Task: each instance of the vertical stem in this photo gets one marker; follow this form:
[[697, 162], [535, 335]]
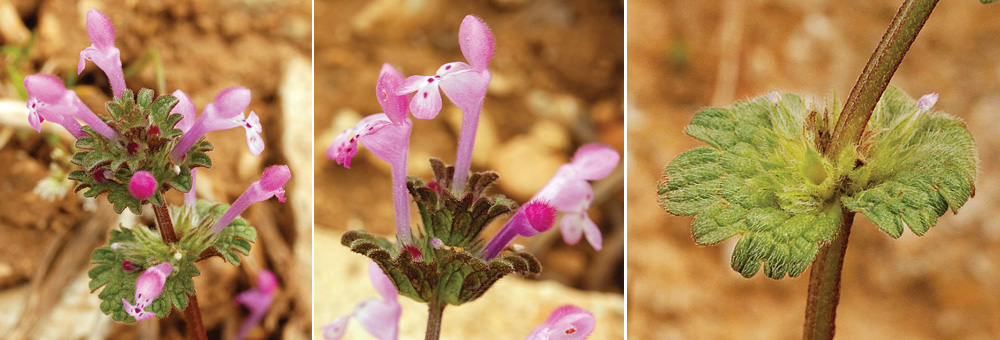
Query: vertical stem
[[824, 277], [873, 80], [192, 314], [434, 313], [824, 284], [164, 224]]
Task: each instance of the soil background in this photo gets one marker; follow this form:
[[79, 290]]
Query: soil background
[[557, 84], [687, 55], [204, 46]]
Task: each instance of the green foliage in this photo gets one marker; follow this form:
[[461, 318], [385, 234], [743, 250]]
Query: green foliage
[[454, 271], [987, 1], [446, 275], [143, 249], [916, 167], [456, 222], [764, 177], [146, 137]]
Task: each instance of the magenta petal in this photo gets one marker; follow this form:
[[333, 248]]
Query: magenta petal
[[476, 41], [393, 104], [185, 107], [148, 287], [566, 192], [34, 119], [336, 329], [530, 219], [100, 30], [566, 322], [266, 281], [466, 88], [594, 161]]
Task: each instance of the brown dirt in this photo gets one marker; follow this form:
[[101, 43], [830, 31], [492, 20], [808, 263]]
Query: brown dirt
[[683, 57], [205, 46]]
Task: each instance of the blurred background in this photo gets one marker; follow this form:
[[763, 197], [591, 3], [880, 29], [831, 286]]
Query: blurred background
[[200, 47], [557, 84], [687, 55]]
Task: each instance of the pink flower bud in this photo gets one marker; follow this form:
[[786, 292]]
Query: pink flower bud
[[142, 185]]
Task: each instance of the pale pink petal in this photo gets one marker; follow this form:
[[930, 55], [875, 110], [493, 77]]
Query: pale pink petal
[[229, 103], [336, 329], [345, 146], [592, 233], [566, 192], [381, 282], [185, 107], [380, 318], [466, 88], [594, 161], [926, 102], [139, 313], [388, 142], [271, 184], [567, 322], [426, 103], [571, 227], [476, 41], [100, 30], [393, 104], [257, 300], [253, 130]]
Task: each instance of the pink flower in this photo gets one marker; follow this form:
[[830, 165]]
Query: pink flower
[[190, 199], [185, 107], [530, 219], [271, 184], [226, 112], [571, 194], [379, 317], [103, 51], [142, 185], [464, 84], [387, 135], [566, 322], [257, 300], [48, 99], [147, 288]]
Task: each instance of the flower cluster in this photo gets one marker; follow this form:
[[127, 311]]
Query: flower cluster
[[453, 208], [144, 148]]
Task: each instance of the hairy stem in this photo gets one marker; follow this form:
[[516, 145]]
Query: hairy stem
[[875, 78], [192, 316], [164, 224], [824, 277], [434, 312], [824, 284]]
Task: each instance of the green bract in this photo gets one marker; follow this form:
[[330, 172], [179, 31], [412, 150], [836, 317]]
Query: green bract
[[766, 177], [146, 137], [143, 248], [454, 271]]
